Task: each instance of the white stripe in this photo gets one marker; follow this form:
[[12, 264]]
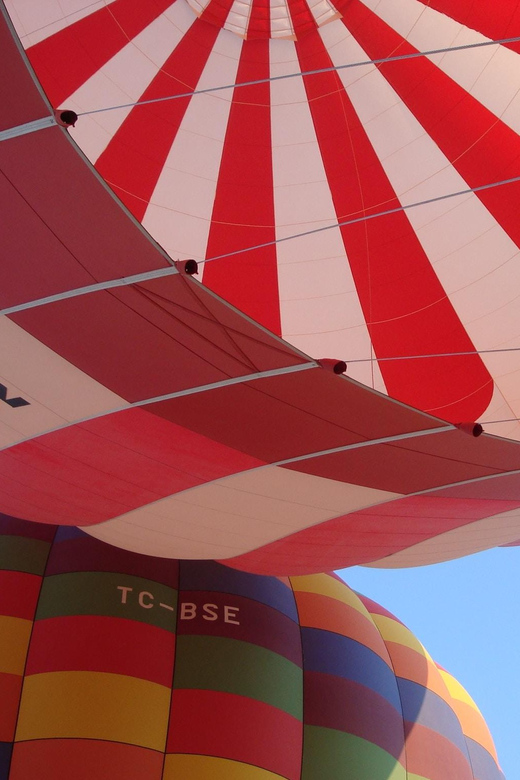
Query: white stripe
[[323, 11], [244, 511], [179, 213], [124, 78], [471, 538], [475, 260], [499, 409], [36, 20], [14, 391], [281, 22], [320, 309], [235, 515], [237, 20], [58, 393], [490, 74]]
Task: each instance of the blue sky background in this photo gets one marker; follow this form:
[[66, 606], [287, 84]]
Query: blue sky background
[[467, 614]]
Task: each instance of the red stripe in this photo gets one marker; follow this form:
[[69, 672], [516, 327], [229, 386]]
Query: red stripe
[[368, 535], [264, 627], [19, 594], [83, 759], [494, 20], [66, 60], [97, 470], [10, 690], [243, 213], [21, 102], [102, 644], [301, 17], [259, 25], [47, 175], [332, 702], [406, 309], [479, 146], [154, 339], [212, 723], [217, 11], [147, 134], [376, 609], [431, 755], [91, 472]]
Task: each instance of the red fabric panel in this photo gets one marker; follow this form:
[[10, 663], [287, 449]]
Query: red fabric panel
[[149, 131], [335, 703], [392, 468], [43, 486], [494, 20], [19, 594], [10, 691], [102, 644], [140, 350], [82, 759], [501, 494], [431, 755], [376, 609], [367, 535], [243, 212], [405, 307], [259, 22], [216, 12], [286, 416], [301, 17], [264, 627], [89, 473], [46, 252], [479, 146], [110, 465], [212, 723], [19, 98], [94, 40]]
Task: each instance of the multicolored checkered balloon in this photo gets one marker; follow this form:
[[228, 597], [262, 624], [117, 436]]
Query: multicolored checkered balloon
[[119, 666]]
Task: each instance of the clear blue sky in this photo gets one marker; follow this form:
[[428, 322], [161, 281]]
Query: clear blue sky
[[467, 614]]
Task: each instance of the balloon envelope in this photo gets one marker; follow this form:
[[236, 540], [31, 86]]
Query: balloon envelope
[[116, 665], [282, 120], [136, 403]]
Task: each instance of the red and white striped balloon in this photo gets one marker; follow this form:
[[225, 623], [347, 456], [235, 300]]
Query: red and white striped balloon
[[347, 177], [240, 173]]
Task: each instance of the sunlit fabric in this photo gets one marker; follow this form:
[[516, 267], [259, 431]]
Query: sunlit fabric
[[223, 172], [137, 404], [117, 666]]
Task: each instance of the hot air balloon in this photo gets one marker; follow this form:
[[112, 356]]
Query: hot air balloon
[[186, 419], [117, 665]]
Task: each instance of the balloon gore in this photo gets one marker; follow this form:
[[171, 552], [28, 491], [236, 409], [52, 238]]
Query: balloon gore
[[119, 666]]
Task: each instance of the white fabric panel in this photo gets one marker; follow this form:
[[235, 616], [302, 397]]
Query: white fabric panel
[[499, 409], [124, 78], [238, 18], [235, 515], [57, 392], [181, 205], [35, 20], [281, 22], [323, 11], [475, 260], [319, 305], [475, 537], [491, 73]]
